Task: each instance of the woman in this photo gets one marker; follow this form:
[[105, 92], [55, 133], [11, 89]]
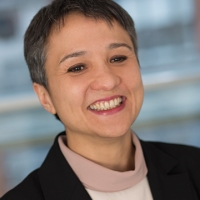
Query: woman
[[82, 57]]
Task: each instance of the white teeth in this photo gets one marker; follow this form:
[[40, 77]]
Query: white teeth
[[101, 106], [106, 105], [116, 102], [95, 107], [112, 104], [98, 106], [92, 107]]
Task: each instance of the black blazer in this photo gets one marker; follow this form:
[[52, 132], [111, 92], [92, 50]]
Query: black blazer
[[173, 174]]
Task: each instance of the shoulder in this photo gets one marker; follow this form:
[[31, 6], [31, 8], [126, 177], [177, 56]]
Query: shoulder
[[29, 188], [189, 156], [182, 151]]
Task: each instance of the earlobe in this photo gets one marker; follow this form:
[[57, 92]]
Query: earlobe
[[44, 98]]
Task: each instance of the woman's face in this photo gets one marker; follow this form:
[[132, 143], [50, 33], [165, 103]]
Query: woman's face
[[94, 79]]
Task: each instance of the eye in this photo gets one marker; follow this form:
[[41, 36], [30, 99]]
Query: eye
[[76, 68], [118, 59]]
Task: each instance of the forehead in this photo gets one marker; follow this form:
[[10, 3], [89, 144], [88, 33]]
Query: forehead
[[78, 16], [76, 27]]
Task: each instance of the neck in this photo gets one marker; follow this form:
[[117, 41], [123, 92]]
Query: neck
[[113, 153]]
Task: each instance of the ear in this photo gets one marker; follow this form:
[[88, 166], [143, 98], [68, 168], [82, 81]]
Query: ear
[[44, 98]]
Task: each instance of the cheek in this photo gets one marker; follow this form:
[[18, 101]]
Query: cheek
[[132, 78], [135, 87], [70, 95], [139, 95]]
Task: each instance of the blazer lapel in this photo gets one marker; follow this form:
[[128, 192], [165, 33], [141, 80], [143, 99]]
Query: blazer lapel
[[57, 179], [167, 177]]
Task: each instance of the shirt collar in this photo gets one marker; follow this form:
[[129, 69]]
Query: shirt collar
[[99, 178]]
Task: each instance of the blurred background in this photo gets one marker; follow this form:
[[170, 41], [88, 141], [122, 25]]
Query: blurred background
[[169, 52]]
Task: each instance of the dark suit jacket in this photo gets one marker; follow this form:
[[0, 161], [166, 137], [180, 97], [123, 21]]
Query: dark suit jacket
[[173, 174]]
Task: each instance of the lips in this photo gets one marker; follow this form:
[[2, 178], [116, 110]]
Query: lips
[[107, 105]]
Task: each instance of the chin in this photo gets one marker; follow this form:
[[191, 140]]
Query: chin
[[114, 133]]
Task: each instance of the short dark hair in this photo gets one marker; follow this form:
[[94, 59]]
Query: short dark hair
[[35, 40]]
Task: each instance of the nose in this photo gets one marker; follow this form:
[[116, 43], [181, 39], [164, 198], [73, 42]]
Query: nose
[[105, 79]]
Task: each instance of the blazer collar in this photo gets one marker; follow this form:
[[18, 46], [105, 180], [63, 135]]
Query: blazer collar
[[57, 179], [168, 178]]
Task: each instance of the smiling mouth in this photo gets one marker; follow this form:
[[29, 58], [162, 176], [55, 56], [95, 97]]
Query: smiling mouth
[[106, 105]]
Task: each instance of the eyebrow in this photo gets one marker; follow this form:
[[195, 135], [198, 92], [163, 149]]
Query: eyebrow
[[80, 53], [73, 55], [117, 45]]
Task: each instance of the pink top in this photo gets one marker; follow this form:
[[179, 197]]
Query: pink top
[[99, 178]]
